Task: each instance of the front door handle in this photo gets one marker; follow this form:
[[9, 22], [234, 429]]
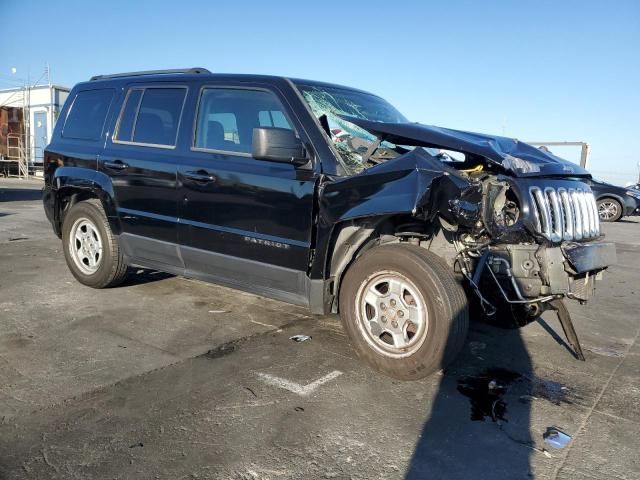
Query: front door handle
[[200, 176], [117, 165]]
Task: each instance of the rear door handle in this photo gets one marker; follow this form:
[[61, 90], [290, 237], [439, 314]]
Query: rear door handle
[[117, 165], [200, 176]]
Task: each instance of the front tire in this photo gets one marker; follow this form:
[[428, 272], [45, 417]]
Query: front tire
[[609, 210], [90, 249], [404, 311]]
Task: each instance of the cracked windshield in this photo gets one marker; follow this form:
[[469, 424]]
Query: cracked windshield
[[351, 141]]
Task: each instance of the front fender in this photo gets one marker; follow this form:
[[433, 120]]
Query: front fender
[[406, 185]]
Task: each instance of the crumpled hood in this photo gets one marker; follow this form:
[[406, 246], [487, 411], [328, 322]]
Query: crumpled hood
[[506, 152]]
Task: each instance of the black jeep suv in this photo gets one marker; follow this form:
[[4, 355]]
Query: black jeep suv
[[323, 196]]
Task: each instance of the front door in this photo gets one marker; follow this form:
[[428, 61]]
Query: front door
[[244, 222]]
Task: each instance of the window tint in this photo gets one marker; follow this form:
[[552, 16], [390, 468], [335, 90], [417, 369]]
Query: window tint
[[273, 118], [87, 115], [159, 115], [128, 116], [229, 125], [227, 117], [151, 115]]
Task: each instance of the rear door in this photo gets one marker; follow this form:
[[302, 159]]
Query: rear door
[[141, 160], [244, 222]]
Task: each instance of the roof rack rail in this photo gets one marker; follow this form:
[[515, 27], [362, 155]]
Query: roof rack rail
[[151, 72]]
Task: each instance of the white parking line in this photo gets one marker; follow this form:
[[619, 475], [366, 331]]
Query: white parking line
[[302, 390]]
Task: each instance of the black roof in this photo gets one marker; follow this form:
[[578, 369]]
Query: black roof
[[175, 74]]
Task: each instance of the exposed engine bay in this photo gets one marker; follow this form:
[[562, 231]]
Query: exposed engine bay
[[533, 247], [517, 223], [521, 243]]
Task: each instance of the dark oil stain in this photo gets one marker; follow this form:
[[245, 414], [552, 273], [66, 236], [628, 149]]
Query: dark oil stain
[[222, 350], [554, 392], [18, 340], [485, 391], [226, 348]]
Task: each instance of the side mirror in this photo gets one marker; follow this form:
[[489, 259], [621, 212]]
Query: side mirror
[[278, 145]]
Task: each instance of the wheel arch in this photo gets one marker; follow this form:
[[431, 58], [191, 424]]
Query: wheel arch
[[78, 184], [611, 196], [351, 238]]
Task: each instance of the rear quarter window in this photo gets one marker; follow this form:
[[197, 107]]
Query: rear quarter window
[[87, 114]]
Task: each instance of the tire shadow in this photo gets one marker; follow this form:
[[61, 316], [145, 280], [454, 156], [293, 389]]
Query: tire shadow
[[141, 276]]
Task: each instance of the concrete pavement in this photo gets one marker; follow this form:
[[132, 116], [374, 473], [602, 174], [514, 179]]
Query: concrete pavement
[[171, 378]]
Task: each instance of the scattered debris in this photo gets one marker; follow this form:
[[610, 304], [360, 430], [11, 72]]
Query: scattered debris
[[15, 239], [251, 391], [300, 338], [556, 438], [139, 444], [299, 409], [218, 311]]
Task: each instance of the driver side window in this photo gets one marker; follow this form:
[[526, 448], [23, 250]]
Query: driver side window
[[226, 118]]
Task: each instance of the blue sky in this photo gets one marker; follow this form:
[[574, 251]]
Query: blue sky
[[534, 70]]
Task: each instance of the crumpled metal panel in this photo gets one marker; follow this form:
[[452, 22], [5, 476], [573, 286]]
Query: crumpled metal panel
[[513, 155], [400, 185]]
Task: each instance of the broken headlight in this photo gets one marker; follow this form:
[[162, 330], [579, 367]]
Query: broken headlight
[[518, 165]]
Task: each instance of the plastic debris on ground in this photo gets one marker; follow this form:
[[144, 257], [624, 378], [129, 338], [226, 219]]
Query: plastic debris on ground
[[300, 338], [556, 438]]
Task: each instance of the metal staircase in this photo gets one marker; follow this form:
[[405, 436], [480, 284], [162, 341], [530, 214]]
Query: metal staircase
[[17, 153]]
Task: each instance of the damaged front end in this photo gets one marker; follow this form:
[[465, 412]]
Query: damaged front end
[[522, 234], [534, 243]]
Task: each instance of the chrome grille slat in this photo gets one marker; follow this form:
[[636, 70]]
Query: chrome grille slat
[[567, 208], [557, 215], [594, 207], [561, 214], [578, 213]]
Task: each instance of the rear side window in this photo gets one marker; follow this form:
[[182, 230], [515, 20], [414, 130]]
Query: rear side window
[[227, 117], [151, 116], [88, 112], [128, 117]]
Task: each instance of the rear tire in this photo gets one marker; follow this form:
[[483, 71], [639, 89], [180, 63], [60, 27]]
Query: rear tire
[[90, 248], [404, 311], [609, 210]]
